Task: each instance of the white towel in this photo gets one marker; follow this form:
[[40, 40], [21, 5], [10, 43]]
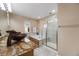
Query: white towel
[[26, 40]]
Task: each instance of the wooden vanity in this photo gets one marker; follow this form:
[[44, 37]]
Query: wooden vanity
[[17, 48], [37, 40], [20, 49], [34, 40]]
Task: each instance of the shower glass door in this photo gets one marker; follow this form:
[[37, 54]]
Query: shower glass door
[[52, 33]]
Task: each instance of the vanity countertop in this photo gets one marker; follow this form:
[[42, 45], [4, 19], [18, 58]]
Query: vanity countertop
[[38, 37], [17, 49]]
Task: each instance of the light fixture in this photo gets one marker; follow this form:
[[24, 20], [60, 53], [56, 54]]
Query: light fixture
[[9, 7], [2, 6], [52, 12], [45, 25], [38, 17]]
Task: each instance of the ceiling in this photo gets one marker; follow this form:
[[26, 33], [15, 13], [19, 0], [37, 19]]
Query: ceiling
[[33, 10]]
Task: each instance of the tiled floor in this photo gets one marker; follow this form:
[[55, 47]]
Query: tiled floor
[[44, 51], [51, 44]]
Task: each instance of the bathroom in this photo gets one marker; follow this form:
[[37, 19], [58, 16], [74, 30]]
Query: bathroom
[[41, 30]]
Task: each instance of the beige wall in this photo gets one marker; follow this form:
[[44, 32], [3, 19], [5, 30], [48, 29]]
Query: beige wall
[[68, 33], [17, 22]]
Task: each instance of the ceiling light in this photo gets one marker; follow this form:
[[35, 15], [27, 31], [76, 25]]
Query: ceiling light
[[9, 7], [38, 17], [45, 25], [2, 6], [53, 11]]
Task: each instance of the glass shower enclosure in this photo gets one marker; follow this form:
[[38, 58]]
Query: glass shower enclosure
[[50, 32]]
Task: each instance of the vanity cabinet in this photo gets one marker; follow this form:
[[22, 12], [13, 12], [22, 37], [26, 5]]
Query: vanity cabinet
[[35, 41], [29, 53]]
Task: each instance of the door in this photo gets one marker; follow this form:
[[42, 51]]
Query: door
[[52, 33]]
